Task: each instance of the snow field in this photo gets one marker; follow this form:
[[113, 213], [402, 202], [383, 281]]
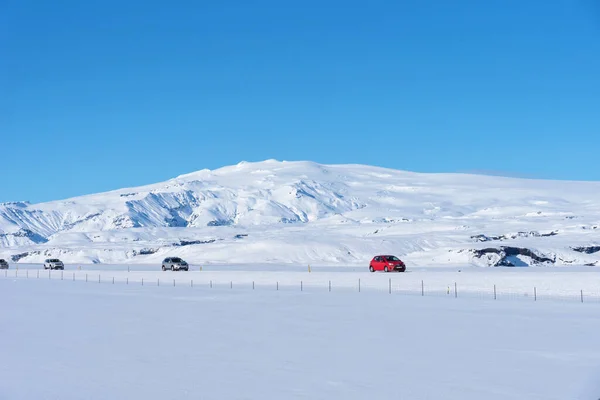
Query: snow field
[[580, 284], [76, 341]]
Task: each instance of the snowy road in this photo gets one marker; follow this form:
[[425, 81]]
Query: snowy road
[[65, 340], [565, 283]]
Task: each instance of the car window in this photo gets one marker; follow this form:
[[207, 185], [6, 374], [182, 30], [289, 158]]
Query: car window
[[393, 258], [176, 259]]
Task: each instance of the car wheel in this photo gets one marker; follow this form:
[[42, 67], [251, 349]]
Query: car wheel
[[386, 269], [371, 268], [172, 268], [164, 268]]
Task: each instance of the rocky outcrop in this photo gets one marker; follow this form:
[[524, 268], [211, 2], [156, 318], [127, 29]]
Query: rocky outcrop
[[17, 257], [144, 252], [485, 238], [505, 256], [587, 249], [190, 242]]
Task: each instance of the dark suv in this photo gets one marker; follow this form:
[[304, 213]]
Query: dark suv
[[3, 264]]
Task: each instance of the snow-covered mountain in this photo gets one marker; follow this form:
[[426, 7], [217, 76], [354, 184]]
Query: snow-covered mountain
[[303, 212]]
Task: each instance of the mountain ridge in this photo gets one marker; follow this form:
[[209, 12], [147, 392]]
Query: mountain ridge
[[418, 215]]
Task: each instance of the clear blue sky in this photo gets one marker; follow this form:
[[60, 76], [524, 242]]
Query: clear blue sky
[[101, 95]]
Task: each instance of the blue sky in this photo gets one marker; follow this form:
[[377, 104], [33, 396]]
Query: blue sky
[[97, 96]]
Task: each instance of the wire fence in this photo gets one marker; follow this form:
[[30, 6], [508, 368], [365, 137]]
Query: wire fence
[[390, 286]]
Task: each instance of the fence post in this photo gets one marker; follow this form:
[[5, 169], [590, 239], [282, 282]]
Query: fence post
[[128, 268], [127, 281], [582, 295], [98, 278], [73, 276], [455, 290], [27, 273], [422, 288], [158, 282], [358, 285], [211, 284], [86, 279], [534, 293], [142, 281], [61, 275], [230, 284], [330, 286], [277, 285], [113, 280], [38, 273], [390, 286], [252, 285], [191, 283], [494, 292], [173, 282], [301, 289]]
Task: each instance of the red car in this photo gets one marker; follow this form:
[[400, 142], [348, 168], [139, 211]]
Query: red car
[[386, 263]]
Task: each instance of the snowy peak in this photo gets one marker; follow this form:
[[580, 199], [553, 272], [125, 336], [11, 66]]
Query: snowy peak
[[247, 193]]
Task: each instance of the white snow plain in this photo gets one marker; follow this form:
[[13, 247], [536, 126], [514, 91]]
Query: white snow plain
[[562, 283], [274, 212], [76, 340]]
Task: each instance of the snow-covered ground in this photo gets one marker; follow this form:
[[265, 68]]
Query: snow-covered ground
[[75, 340], [527, 284], [278, 213]]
